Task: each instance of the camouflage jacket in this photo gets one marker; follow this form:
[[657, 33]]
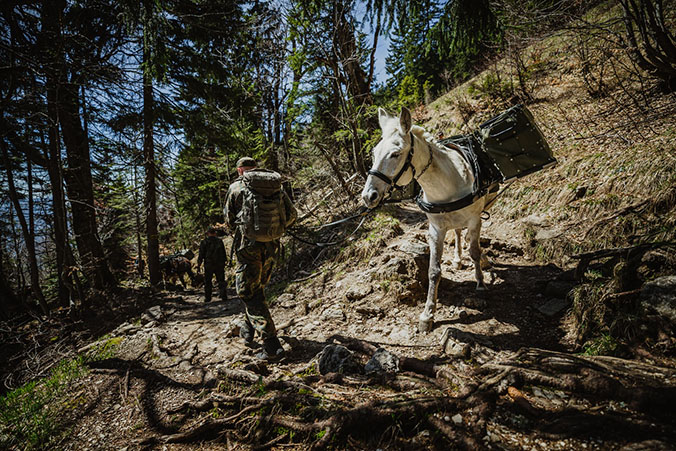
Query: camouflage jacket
[[233, 205]]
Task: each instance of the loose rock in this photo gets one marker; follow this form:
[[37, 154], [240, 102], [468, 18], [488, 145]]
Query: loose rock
[[336, 359], [457, 349], [358, 291], [558, 288], [286, 300], [553, 307], [382, 361], [333, 313]]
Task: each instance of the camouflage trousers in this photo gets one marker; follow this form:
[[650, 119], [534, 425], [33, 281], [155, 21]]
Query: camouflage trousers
[[255, 261]]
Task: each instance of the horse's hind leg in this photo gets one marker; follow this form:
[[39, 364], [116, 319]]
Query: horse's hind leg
[[436, 243], [473, 232], [457, 252]]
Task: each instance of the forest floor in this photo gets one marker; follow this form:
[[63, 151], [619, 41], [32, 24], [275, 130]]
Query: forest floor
[[496, 372]]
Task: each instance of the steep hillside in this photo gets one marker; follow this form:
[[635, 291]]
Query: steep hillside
[[610, 127]]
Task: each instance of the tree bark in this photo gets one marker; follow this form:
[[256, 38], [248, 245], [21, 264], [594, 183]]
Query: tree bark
[[10, 300], [53, 155], [80, 189], [28, 237], [137, 215], [78, 175], [153, 251], [346, 47], [20, 277]]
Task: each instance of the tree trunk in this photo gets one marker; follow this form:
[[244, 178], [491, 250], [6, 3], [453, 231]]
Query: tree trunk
[[53, 155], [31, 202], [277, 115], [28, 238], [20, 277], [372, 57], [137, 214], [80, 189], [153, 251], [78, 175], [345, 44], [10, 301]]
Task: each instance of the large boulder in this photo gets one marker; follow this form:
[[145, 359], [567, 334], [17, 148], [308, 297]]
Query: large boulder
[[337, 359], [420, 253]]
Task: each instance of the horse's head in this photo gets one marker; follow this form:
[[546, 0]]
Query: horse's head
[[391, 157]]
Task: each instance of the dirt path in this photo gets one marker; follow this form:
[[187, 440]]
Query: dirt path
[[495, 372]]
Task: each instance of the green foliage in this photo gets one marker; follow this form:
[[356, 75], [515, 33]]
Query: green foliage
[[438, 43], [31, 415], [311, 370], [409, 92], [602, 345], [492, 87]]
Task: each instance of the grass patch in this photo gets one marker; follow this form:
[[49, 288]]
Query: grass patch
[[31, 415], [602, 345]]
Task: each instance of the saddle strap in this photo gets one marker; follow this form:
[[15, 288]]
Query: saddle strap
[[446, 207]]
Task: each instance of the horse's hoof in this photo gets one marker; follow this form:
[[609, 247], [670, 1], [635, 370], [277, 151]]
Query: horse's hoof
[[425, 326], [481, 287]]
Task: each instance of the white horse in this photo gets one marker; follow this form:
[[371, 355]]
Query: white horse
[[445, 176]]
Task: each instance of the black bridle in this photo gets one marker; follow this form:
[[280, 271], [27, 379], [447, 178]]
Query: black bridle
[[392, 182]]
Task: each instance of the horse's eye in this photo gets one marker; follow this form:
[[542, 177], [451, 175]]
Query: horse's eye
[[394, 155]]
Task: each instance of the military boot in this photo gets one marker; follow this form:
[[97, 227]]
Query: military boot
[[272, 349], [246, 331], [223, 294]]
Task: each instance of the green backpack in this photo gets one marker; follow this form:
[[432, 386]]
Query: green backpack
[[263, 213]]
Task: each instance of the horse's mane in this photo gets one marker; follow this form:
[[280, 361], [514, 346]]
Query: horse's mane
[[426, 136]]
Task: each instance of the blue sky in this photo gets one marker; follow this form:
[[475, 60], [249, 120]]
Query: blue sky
[[381, 53]]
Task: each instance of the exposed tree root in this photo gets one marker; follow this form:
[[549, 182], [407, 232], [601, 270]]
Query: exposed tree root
[[212, 401], [454, 435], [272, 442], [333, 418], [643, 387], [321, 410]]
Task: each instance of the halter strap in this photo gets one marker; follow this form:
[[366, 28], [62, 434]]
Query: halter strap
[[404, 168], [393, 182]]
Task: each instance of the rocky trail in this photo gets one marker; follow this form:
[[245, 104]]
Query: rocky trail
[[496, 372]]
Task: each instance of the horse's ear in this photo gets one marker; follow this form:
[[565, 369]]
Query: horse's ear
[[382, 118], [405, 120]]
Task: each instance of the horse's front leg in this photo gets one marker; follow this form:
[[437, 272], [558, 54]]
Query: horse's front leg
[[435, 239], [457, 252], [473, 233]]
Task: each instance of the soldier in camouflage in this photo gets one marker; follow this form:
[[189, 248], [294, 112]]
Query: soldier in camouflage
[[255, 261], [212, 253]]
